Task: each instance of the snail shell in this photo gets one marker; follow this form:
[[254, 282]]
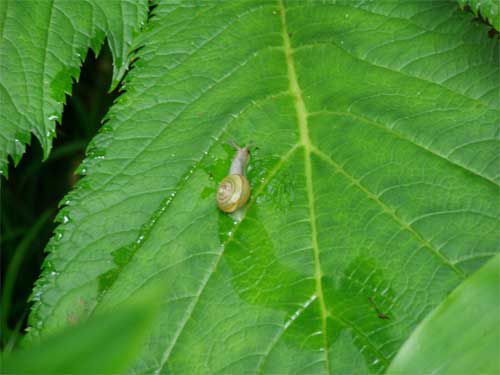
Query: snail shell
[[233, 193], [234, 190]]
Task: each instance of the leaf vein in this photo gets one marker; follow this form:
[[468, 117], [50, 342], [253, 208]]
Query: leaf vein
[[331, 42], [389, 211], [403, 137]]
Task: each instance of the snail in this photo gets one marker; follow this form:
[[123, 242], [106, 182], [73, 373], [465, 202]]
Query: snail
[[234, 189]]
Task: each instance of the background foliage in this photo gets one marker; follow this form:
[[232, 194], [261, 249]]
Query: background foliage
[[43, 44], [31, 194], [487, 9]]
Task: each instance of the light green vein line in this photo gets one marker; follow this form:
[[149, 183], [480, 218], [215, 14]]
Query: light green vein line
[[389, 211], [301, 111], [403, 137]]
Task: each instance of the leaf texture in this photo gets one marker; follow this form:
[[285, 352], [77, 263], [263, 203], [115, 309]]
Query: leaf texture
[[42, 46], [374, 184]]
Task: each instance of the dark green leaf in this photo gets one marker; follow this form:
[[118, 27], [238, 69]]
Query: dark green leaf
[[42, 46]]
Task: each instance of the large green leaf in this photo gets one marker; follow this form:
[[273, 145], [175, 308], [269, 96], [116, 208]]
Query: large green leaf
[[375, 184], [41, 48], [462, 335]]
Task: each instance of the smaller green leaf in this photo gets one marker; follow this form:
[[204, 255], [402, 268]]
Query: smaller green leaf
[[489, 9], [461, 336], [105, 344]]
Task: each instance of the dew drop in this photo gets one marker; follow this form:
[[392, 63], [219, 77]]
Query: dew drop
[[36, 297], [237, 216], [65, 219], [52, 117]]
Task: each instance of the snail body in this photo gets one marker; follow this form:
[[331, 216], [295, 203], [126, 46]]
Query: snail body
[[234, 189]]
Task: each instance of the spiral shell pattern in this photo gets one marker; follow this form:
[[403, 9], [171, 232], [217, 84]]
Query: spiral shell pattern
[[233, 192]]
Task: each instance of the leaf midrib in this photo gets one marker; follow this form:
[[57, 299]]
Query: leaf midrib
[[302, 114]]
